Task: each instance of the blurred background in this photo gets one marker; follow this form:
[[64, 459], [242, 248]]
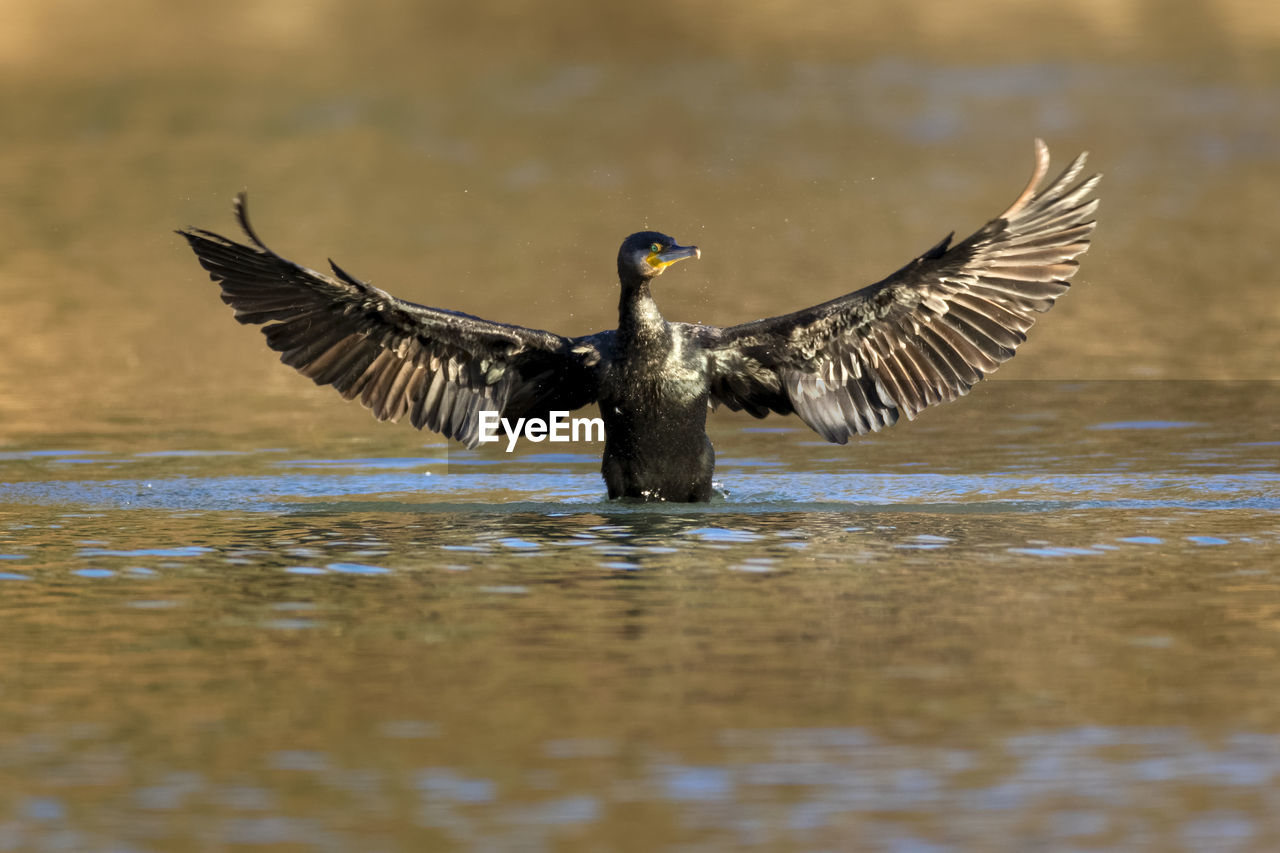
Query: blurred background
[[489, 157], [236, 613]]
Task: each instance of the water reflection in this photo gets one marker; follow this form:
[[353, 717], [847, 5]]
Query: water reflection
[[881, 678], [1105, 787]]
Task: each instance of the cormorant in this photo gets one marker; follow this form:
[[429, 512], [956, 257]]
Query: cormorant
[[852, 365]]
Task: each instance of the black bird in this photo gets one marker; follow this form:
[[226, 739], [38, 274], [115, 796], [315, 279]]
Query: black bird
[[922, 336]]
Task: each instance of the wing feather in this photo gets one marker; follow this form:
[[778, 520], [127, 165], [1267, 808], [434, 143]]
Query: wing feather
[[439, 367], [924, 335]]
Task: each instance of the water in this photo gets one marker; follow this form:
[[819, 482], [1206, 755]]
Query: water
[[1034, 621], [235, 612]]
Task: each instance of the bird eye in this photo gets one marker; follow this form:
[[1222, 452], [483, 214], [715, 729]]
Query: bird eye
[[656, 247]]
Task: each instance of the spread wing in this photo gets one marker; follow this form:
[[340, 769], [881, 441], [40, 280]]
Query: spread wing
[[438, 367], [922, 336]]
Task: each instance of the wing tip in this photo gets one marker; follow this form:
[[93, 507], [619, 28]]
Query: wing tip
[[1033, 202], [1040, 169], [240, 204]]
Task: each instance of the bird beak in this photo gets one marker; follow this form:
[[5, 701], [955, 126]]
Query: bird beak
[[674, 253]]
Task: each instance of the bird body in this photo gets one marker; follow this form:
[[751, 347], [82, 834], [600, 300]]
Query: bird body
[[653, 400], [922, 336]]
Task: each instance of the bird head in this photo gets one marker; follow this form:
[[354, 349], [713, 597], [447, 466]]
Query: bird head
[[648, 253]]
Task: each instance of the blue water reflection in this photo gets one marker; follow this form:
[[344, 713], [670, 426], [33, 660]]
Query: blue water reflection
[[1098, 785]]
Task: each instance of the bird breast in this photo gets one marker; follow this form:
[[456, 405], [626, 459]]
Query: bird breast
[[660, 374]]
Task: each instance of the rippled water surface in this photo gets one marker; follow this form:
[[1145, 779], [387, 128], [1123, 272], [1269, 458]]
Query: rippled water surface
[[236, 613], [1040, 621]]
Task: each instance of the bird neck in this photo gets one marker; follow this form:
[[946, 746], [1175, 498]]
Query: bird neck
[[638, 315]]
